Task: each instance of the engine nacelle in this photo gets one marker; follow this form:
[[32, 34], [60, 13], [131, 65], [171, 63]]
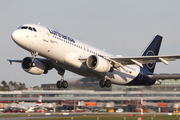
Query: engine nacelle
[[98, 64], [38, 69]]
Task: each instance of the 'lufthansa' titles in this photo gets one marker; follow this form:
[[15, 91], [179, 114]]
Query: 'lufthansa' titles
[[61, 35]]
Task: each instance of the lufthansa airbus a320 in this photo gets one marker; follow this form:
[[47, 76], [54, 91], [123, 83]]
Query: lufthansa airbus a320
[[65, 53]]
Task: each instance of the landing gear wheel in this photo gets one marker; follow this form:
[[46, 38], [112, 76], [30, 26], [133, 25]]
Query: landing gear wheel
[[64, 84], [59, 84], [108, 83], [102, 83]]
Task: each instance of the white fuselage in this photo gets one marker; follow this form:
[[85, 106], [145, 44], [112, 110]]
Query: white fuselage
[[65, 52], [28, 105]]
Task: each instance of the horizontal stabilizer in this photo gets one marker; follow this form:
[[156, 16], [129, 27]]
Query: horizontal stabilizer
[[165, 76]]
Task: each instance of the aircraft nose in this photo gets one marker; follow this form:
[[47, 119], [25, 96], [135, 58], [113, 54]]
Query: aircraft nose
[[16, 36]]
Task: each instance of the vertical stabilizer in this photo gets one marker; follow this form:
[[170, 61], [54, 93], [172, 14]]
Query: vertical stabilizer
[[151, 50], [39, 99]]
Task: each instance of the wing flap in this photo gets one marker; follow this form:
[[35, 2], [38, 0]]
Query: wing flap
[[144, 59], [122, 61]]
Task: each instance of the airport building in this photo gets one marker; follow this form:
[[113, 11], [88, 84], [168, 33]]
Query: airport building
[[93, 84], [129, 100], [87, 94]]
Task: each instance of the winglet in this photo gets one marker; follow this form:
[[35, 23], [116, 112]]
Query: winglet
[[9, 61]]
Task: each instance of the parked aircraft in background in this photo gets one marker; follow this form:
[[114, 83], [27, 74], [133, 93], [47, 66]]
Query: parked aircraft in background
[[30, 106], [65, 53]]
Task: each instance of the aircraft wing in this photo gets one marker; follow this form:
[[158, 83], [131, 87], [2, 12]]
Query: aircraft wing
[[43, 60], [12, 60], [165, 76], [19, 61], [121, 61]]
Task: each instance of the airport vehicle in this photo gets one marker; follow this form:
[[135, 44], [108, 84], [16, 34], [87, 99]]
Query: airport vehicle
[[119, 110], [29, 107], [65, 53], [139, 110], [176, 107]]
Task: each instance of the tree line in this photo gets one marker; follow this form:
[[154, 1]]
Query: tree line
[[11, 86]]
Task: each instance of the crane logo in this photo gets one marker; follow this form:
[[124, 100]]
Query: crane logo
[[150, 65]]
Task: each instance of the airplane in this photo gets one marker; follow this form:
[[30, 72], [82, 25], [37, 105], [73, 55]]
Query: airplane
[[66, 53], [30, 106]]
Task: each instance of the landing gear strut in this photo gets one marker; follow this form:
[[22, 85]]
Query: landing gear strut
[[105, 83], [34, 54], [61, 83]]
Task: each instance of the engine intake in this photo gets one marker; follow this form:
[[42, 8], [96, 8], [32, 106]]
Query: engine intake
[[38, 68], [98, 64]]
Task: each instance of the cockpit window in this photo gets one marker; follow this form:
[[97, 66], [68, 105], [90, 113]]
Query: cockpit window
[[19, 27], [24, 27], [34, 29], [29, 28]]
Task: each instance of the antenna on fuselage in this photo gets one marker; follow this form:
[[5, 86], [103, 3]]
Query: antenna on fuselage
[[38, 23]]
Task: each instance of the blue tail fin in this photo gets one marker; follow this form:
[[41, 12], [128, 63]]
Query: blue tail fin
[[151, 50]]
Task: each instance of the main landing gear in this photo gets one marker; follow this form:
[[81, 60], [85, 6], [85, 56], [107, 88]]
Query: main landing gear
[[105, 83], [61, 83]]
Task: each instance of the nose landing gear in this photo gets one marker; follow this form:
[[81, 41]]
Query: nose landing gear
[[33, 54]]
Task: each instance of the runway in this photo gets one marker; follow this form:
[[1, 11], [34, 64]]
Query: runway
[[53, 115]]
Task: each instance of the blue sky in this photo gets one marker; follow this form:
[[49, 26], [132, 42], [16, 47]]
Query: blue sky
[[121, 27]]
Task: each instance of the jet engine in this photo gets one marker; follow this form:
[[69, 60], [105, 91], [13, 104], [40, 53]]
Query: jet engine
[[37, 68], [98, 64]]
